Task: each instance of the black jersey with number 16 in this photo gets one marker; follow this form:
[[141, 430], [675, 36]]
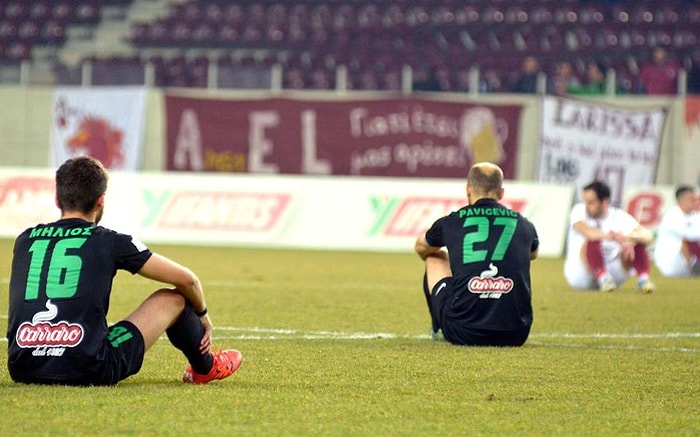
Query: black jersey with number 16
[[62, 275]]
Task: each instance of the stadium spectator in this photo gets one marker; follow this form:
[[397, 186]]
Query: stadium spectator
[[478, 291], [693, 80], [677, 248], [563, 79], [60, 291], [595, 80], [605, 245], [426, 79], [659, 76], [526, 82]]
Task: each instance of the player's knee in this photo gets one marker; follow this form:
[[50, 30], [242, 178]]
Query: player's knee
[[169, 297]]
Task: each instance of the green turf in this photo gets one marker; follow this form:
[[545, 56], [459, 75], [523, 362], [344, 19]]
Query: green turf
[[335, 343]]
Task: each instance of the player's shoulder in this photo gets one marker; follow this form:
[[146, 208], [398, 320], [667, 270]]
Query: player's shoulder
[[579, 210], [617, 213]]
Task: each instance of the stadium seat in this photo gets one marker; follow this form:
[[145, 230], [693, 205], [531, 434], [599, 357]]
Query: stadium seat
[[29, 31], [40, 11], [373, 39], [467, 15], [87, 12], [541, 14], [16, 10]]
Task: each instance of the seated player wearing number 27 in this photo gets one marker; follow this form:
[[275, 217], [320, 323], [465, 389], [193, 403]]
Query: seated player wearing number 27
[[477, 267], [60, 289]]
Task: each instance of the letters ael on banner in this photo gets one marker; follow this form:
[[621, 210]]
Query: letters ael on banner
[[390, 137]]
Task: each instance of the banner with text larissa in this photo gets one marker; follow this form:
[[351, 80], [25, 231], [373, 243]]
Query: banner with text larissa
[[401, 137]]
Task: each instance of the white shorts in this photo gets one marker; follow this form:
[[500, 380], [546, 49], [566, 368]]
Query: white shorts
[[672, 264], [579, 277]]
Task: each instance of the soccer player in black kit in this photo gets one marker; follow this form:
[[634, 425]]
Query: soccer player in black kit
[[60, 288], [478, 290]]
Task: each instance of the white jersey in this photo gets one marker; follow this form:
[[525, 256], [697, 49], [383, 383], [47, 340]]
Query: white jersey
[[674, 227], [616, 220]]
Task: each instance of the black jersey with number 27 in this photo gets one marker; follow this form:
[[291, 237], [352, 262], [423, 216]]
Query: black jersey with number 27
[[489, 248]]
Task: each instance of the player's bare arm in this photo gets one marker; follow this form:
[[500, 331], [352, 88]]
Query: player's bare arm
[[640, 234], [423, 249], [162, 269], [591, 233]]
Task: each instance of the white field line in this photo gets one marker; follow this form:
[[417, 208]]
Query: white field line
[[229, 333], [286, 333], [363, 286], [291, 334]]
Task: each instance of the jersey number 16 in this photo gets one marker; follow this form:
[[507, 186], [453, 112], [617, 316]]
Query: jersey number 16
[[64, 269]]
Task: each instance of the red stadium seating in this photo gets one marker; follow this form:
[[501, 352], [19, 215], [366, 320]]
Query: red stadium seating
[[374, 39]]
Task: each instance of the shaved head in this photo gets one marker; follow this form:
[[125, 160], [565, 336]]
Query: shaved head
[[486, 180]]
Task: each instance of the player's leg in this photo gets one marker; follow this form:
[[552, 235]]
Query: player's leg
[[156, 314], [642, 266], [578, 276], [691, 252], [166, 310], [437, 268], [580, 273], [592, 254], [619, 271]]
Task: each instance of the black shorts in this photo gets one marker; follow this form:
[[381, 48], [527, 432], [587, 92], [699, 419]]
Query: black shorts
[[458, 333], [121, 357], [124, 351]]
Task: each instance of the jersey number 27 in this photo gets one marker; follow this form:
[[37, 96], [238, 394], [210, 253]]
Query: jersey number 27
[[483, 228]]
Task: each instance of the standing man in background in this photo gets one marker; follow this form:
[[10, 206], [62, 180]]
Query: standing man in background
[[659, 76], [677, 248], [478, 290], [60, 289], [605, 245]]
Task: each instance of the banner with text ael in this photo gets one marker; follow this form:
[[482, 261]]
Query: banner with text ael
[[585, 140], [406, 137]]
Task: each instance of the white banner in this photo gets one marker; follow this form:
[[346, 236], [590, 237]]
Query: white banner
[[105, 123], [279, 211], [584, 140]]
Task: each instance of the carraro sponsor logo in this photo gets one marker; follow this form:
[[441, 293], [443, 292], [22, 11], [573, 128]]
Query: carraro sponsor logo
[[61, 334], [224, 211], [414, 215], [488, 285]]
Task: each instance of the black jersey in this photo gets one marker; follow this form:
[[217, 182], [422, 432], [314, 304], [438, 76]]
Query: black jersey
[[489, 249], [60, 287]]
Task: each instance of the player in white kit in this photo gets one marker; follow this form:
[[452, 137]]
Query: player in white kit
[[605, 245], [677, 248]]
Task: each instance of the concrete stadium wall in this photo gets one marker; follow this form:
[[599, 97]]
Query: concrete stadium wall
[[25, 120]]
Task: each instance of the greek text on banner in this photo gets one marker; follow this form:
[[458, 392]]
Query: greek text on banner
[[384, 137]]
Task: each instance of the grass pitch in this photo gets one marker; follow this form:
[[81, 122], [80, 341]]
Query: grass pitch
[[335, 343]]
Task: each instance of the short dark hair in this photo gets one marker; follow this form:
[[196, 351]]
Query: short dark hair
[[600, 188], [682, 189], [79, 183]]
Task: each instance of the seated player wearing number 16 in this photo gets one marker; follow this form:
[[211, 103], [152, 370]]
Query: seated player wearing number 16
[[60, 288], [605, 245], [478, 290]]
